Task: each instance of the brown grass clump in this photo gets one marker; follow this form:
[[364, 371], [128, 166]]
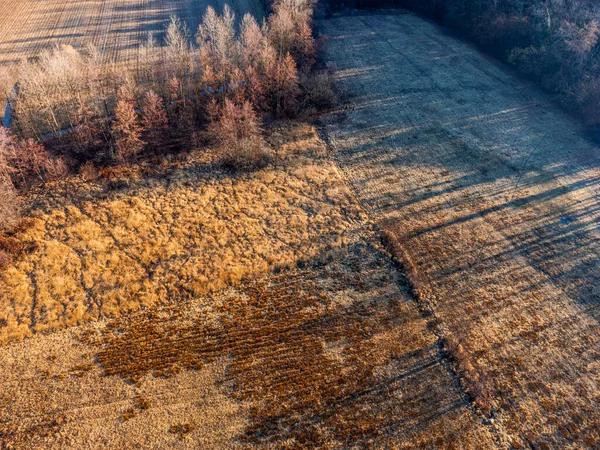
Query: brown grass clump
[[19, 435], [128, 414], [181, 430], [10, 244], [142, 403], [5, 259], [476, 381]]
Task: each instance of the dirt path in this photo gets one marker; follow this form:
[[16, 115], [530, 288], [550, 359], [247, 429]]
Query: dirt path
[[490, 194]]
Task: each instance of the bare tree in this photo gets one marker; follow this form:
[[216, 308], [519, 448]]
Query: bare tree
[[154, 117], [180, 60], [290, 30], [580, 40], [88, 134], [216, 38], [126, 128], [287, 89]]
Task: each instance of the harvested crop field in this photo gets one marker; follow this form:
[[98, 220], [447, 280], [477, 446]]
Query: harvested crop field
[[428, 279], [310, 340], [333, 355], [488, 196], [116, 27]]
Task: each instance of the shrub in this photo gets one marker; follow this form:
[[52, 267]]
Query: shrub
[[239, 136], [88, 171], [318, 90], [22, 160], [180, 114], [530, 60], [31, 160], [503, 32]]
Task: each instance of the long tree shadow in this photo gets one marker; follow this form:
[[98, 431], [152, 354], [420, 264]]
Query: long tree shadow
[[492, 193]]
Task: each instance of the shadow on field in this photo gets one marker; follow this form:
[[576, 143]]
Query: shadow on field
[[493, 193], [534, 180]]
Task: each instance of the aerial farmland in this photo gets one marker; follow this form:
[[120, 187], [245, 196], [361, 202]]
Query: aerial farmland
[[300, 225]]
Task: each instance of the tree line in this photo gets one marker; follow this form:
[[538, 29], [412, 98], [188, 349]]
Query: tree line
[[554, 42], [80, 109]]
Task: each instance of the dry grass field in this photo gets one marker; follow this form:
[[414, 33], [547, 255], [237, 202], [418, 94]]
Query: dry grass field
[[217, 311], [117, 27], [488, 195]]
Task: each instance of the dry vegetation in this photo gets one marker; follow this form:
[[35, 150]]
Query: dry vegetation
[[171, 302], [182, 229], [162, 299], [305, 339], [488, 196]]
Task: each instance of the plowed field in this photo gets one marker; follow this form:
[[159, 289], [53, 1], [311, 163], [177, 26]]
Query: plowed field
[[489, 196]]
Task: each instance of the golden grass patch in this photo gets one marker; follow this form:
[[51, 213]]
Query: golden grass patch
[[192, 228]]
